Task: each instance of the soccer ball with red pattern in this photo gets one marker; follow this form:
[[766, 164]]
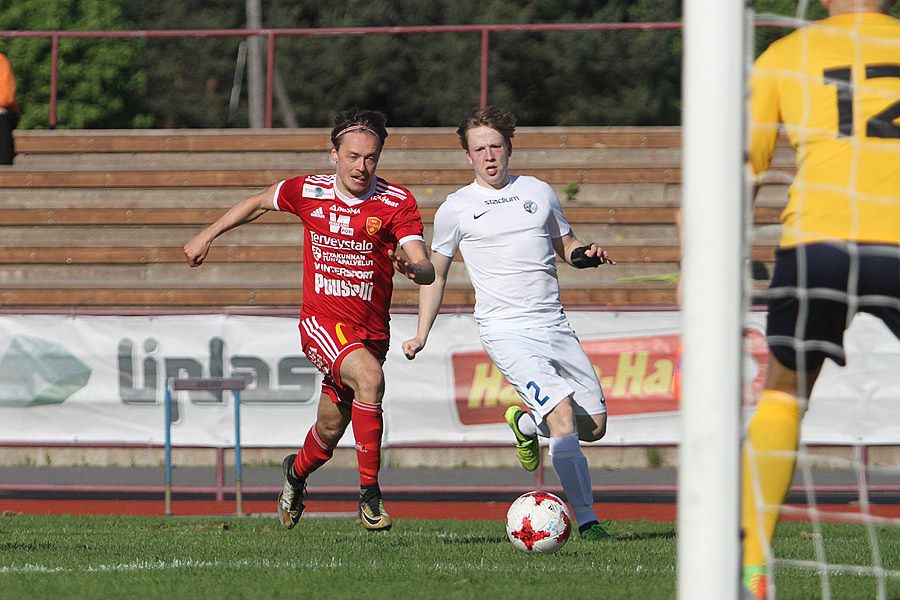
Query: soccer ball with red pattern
[[538, 522]]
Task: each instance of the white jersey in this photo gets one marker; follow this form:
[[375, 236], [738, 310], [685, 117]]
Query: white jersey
[[505, 239]]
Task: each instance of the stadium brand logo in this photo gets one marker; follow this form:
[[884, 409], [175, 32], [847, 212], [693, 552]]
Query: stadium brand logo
[[364, 246], [343, 289], [636, 373], [344, 272], [292, 380], [316, 359], [347, 260], [344, 209], [37, 372], [317, 191], [339, 224], [503, 200]]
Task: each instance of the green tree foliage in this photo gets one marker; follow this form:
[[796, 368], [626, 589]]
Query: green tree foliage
[[427, 79], [190, 77], [591, 78], [770, 10], [578, 78], [546, 78], [98, 83]]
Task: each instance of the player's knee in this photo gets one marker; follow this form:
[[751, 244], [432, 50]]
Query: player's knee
[[561, 422], [330, 430], [369, 384], [592, 435], [591, 428]]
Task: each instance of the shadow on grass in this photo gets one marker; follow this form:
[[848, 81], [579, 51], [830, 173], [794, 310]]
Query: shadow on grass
[[657, 535], [476, 539], [19, 546]]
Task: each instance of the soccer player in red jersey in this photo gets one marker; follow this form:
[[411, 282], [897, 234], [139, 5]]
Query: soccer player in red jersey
[[352, 222]]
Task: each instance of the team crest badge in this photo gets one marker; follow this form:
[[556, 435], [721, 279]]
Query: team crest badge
[[373, 224], [530, 207]]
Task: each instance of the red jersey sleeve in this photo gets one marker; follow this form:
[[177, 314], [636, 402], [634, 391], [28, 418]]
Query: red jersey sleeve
[[406, 220]]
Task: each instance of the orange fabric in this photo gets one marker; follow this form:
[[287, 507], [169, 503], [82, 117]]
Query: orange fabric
[[7, 85]]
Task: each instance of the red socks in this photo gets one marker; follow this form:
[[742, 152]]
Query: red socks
[[368, 426], [314, 453]]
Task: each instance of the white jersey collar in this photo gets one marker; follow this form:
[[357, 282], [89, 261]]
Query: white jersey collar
[[351, 201]]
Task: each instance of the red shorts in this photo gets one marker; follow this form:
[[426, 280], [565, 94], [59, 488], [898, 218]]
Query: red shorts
[[326, 342]]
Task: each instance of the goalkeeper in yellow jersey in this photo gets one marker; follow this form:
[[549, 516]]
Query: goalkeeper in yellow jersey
[[834, 86]]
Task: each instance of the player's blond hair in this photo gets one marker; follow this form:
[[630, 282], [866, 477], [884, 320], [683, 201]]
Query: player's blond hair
[[490, 116]]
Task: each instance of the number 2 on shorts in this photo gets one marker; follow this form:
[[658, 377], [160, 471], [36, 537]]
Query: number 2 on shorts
[[537, 393]]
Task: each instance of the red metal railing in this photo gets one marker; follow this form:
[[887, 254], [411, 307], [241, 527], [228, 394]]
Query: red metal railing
[[272, 34]]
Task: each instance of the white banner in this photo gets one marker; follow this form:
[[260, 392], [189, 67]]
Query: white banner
[[101, 379]]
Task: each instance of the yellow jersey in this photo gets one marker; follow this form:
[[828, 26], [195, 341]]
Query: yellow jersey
[[835, 86]]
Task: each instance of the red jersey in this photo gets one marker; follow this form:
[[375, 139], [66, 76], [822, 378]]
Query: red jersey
[[347, 274]]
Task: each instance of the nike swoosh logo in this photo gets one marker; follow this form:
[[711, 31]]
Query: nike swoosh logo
[[369, 519], [480, 215]]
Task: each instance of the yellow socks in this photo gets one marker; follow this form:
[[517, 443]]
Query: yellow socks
[[768, 461]]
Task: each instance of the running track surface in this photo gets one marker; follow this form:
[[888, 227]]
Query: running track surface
[[398, 510]]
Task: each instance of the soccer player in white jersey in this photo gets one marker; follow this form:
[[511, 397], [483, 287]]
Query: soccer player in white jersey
[[508, 228], [353, 221]]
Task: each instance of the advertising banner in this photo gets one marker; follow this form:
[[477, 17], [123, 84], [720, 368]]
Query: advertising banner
[[100, 379]]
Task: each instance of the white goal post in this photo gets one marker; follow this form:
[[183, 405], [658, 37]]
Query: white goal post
[[713, 304]]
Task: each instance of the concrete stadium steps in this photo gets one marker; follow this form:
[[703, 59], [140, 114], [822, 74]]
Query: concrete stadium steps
[[589, 194], [189, 215], [98, 218]]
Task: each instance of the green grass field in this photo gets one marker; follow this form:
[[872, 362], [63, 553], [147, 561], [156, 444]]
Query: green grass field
[[72, 557]]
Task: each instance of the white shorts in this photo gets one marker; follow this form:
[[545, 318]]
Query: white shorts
[[545, 366]]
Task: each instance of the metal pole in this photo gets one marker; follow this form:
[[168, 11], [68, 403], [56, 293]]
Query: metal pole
[[240, 66], [54, 78], [220, 474], [485, 51], [270, 77], [284, 102], [168, 450], [709, 547], [255, 81], [238, 484], [210, 384]]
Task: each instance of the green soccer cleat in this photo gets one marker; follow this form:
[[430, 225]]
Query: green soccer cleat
[[290, 500], [371, 509], [527, 448], [596, 531], [756, 581]]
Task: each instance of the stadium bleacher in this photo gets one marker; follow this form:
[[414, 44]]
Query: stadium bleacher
[[97, 218]]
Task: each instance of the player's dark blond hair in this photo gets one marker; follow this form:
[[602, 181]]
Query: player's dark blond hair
[[356, 119], [490, 116]]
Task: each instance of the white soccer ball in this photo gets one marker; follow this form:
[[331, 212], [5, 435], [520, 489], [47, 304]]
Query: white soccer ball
[[538, 522]]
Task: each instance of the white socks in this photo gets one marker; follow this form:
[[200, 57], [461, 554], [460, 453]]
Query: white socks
[[526, 424], [571, 468]]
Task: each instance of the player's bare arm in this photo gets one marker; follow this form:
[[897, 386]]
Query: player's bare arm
[[579, 254], [416, 265], [244, 211], [430, 298]]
